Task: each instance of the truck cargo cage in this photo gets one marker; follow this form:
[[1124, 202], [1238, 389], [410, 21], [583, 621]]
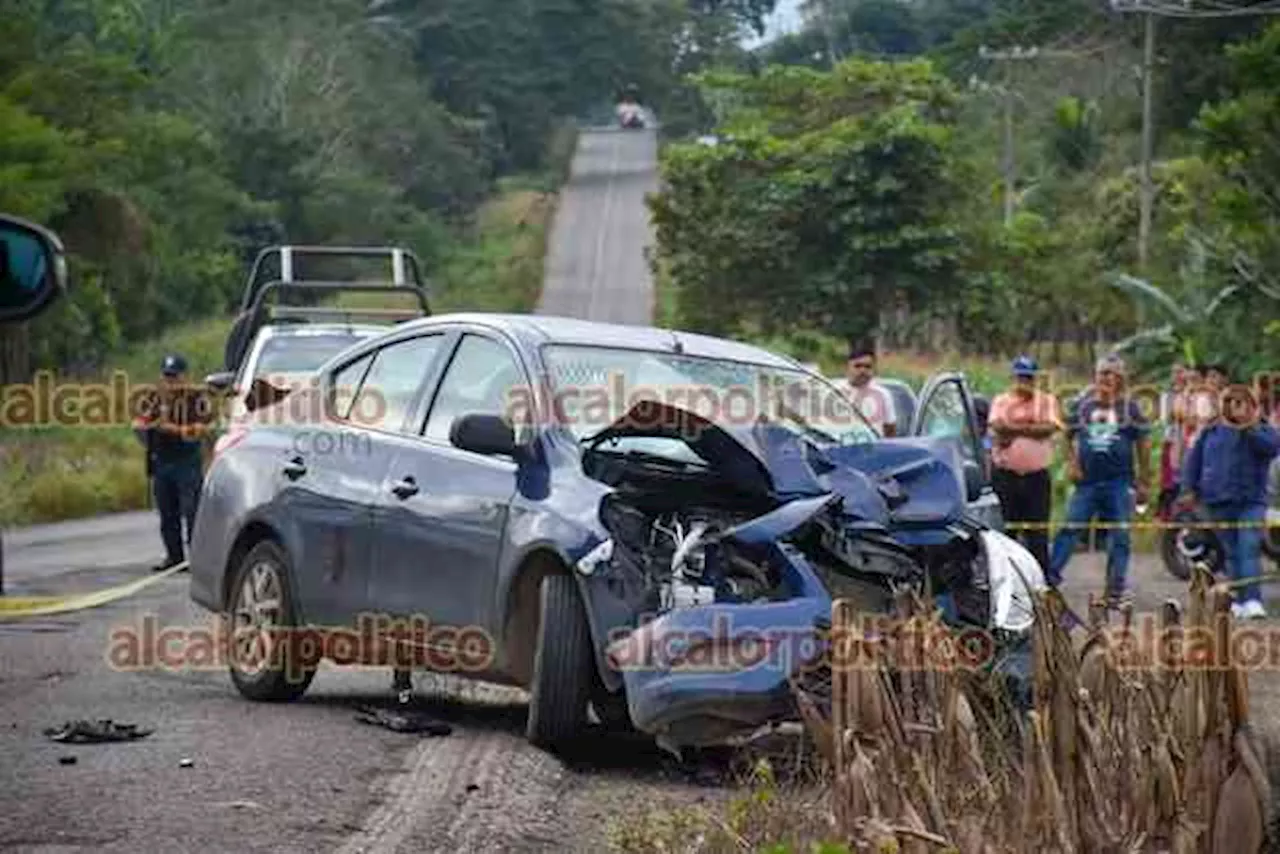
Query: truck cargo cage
[[405, 278]]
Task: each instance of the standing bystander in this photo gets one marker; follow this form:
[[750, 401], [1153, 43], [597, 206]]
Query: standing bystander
[[1023, 422], [1105, 433], [1226, 473], [860, 385]]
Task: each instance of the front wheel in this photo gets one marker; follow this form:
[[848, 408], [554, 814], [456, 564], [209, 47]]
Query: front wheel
[[561, 685], [265, 657]]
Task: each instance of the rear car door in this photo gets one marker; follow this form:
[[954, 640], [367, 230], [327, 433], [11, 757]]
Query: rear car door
[[442, 511], [335, 472], [946, 409]]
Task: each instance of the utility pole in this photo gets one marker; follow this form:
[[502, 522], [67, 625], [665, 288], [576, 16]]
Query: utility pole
[[1150, 9], [1009, 164], [1146, 191]]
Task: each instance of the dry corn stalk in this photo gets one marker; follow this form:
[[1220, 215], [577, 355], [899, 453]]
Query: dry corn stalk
[[1123, 753]]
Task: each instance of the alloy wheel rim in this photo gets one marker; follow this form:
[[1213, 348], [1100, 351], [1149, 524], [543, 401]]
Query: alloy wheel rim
[[257, 615]]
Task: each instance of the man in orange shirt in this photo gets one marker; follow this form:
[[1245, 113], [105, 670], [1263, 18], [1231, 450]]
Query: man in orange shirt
[[1023, 422]]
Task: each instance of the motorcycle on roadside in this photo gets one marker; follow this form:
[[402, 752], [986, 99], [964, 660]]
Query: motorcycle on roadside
[[1189, 538]]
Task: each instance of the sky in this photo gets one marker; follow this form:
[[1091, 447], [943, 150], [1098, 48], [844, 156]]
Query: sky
[[785, 19]]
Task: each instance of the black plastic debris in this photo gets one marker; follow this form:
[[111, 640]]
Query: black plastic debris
[[403, 720], [66, 760], [95, 732]]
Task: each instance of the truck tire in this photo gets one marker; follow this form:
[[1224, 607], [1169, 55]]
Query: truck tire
[[561, 684], [262, 578]]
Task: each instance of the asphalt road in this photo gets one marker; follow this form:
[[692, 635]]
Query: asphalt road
[[596, 267]]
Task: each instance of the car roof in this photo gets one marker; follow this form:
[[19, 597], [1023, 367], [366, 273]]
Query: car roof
[[536, 330], [303, 329]]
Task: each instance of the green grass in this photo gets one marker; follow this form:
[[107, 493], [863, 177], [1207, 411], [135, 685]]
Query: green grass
[[49, 474]]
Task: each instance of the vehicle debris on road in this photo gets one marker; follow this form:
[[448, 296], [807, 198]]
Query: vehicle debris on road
[[95, 732], [403, 720]]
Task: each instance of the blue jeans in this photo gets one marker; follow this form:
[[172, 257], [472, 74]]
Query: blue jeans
[[1243, 545], [1110, 502]]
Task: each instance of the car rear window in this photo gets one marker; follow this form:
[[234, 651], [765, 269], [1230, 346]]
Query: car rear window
[[286, 354]]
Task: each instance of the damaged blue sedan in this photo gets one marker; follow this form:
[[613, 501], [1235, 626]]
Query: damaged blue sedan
[[644, 523]]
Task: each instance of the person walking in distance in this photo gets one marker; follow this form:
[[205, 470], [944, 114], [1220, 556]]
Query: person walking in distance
[[1023, 422], [1226, 473], [171, 426], [872, 399], [1105, 433]]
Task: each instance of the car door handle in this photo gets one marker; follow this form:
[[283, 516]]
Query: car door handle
[[405, 488], [295, 468]]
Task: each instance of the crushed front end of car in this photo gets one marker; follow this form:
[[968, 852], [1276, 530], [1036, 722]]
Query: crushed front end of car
[[731, 569]]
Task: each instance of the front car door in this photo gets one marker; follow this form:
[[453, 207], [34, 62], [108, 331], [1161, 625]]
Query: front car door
[[367, 400], [946, 409], [442, 511]]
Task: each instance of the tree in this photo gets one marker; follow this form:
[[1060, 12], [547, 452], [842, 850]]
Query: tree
[[826, 197]]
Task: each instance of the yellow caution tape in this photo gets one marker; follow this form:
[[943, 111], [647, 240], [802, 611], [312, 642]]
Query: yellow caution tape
[[1137, 526], [18, 607]]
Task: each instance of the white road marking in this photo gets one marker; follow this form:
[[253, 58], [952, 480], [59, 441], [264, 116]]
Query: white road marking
[[603, 236]]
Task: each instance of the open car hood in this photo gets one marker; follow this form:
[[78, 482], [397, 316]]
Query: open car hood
[[889, 482]]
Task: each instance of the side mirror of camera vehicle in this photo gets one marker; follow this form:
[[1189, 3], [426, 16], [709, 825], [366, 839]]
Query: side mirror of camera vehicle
[[33, 269]]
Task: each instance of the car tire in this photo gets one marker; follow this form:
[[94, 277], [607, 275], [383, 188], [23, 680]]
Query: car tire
[[263, 578], [561, 684]]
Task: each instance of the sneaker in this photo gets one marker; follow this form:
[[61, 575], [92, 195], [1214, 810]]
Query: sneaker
[[1116, 601], [167, 565], [1253, 610]]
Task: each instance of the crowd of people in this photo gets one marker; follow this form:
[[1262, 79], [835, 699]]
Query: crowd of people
[[1219, 451]]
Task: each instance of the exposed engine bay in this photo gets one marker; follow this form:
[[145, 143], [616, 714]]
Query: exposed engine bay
[[669, 547]]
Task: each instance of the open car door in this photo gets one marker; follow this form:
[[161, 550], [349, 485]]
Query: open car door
[[946, 409]]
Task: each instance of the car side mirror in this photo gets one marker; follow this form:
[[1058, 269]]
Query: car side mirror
[[220, 381], [974, 481], [33, 269], [491, 435]]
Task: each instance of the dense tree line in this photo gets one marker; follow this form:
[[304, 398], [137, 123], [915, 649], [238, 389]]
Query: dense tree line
[[859, 178], [168, 140]]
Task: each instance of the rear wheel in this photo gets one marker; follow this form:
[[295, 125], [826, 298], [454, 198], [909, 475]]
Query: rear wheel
[[561, 684], [266, 662]]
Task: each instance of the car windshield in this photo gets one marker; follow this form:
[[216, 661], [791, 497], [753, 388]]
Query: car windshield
[[594, 386], [295, 354]]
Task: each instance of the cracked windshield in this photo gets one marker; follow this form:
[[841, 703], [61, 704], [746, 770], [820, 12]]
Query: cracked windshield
[[595, 386], [981, 299]]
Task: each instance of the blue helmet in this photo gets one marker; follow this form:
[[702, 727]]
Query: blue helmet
[[1025, 366]]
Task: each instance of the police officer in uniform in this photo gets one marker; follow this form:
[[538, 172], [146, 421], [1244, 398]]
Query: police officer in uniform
[[172, 423]]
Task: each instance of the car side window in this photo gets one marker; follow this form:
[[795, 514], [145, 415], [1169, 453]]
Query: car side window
[[392, 383], [344, 384], [482, 378], [945, 415]]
